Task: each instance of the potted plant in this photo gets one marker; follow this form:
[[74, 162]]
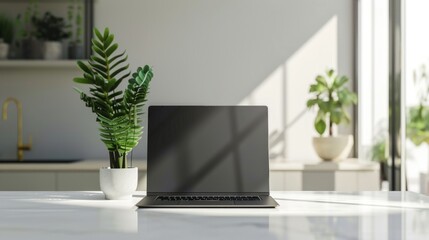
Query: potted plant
[[117, 112], [6, 35], [51, 30], [332, 97], [74, 13], [27, 44]]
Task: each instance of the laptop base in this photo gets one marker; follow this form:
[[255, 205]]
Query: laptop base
[[153, 202]]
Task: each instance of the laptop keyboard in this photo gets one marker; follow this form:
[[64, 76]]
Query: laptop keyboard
[[208, 198]]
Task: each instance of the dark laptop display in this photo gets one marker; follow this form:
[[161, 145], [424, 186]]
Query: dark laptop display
[[207, 150]]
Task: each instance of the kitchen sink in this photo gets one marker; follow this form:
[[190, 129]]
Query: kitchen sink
[[40, 161]]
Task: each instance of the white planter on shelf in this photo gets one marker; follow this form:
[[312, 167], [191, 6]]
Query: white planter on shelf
[[4, 49], [53, 50], [333, 148], [118, 183]]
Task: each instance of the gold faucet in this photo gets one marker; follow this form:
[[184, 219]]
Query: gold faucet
[[21, 147]]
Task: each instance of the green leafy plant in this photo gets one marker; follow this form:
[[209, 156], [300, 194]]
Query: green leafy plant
[[6, 29], [332, 97], [117, 112], [379, 151], [418, 124], [50, 27], [418, 116], [25, 24]]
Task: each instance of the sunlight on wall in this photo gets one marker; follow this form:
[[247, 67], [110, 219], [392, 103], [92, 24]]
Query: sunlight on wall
[[285, 92]]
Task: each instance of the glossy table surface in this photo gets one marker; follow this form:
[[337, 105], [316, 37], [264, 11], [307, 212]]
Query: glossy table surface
[[301, 215]]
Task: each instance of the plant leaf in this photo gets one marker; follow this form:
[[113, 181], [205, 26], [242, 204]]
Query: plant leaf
[[340, 81], [320, 126], [312, 102], [320, 122], [83, 80], [98, 34], [111, 49], [84, 67], [108, 41], [322, 81]]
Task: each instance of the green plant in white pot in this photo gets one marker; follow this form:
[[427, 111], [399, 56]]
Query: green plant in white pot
[[332, 98], [117, 112], [51, 30]]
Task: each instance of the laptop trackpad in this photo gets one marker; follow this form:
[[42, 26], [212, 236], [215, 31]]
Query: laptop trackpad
[[207, 203]]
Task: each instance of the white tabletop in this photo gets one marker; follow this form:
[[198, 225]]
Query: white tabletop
[[301, 215]]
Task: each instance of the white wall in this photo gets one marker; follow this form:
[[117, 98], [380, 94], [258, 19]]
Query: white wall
[[203, 52]]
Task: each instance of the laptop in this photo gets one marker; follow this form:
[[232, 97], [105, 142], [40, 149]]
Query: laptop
[[207, 157]]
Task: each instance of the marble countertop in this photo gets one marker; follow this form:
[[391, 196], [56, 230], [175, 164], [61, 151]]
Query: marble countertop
[[301, 215], [96, 164]]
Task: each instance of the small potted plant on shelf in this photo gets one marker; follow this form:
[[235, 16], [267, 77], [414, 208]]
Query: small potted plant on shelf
[[26, 44], [332, 98], [51, 30], [74, 13], [6, 36], [117, 112]]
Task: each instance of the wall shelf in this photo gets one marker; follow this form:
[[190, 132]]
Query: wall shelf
[[38, 64]]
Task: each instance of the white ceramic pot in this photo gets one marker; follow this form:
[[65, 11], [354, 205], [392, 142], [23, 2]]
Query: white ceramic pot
[[4, 49], [333, 148], [53, 50], [118, 183]]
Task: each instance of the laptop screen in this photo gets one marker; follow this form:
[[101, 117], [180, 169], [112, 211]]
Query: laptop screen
[[208, 149]]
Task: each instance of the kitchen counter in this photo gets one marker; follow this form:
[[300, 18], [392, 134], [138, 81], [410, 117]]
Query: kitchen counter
[[301, 215], [82, 165], [350, 175], [95, 165]]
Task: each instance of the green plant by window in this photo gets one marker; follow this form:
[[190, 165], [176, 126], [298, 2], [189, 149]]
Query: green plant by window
[[50, 27], [418, 124], [379, 152], [6, 29], [118, 112], [418, 116], [332, 97]]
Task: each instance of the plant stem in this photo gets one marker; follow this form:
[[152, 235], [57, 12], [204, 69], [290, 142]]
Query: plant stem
[[331, 130], [112, 159]]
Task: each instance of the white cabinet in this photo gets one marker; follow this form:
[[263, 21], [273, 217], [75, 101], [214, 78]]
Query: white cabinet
[[325, 176], [56, 181], [286, 176], [26, 181], [286, 180], [78, 181]]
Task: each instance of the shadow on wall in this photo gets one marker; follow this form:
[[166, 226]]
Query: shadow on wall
[[255, 53], [285, 92]]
